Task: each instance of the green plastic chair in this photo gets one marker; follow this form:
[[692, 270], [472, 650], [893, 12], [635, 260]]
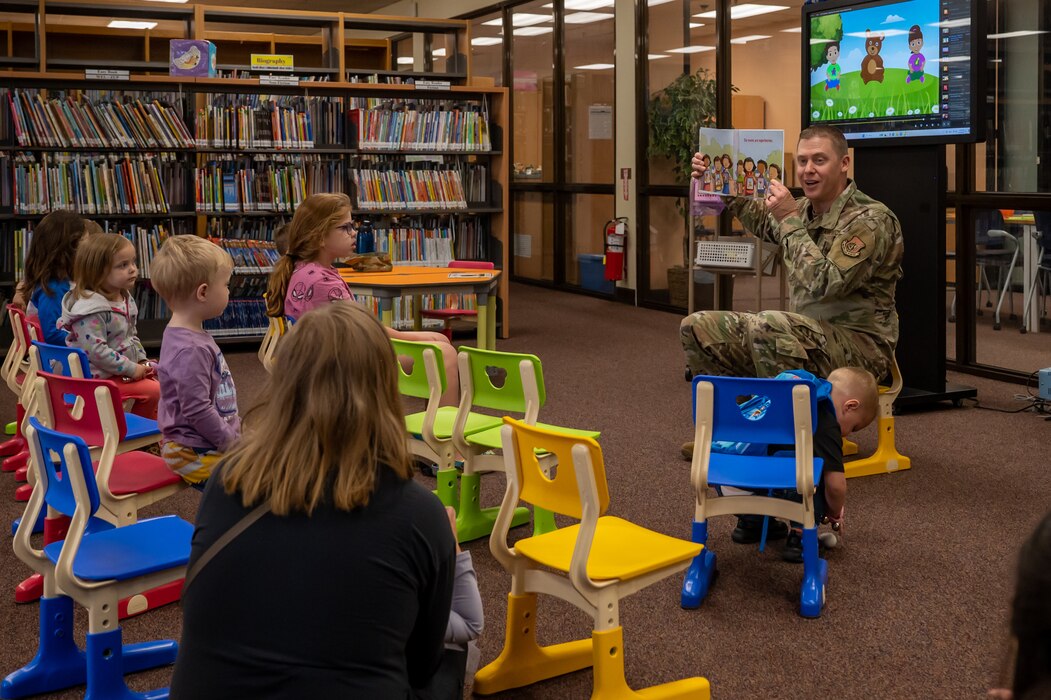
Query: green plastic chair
[[430, 430], [522, 392]]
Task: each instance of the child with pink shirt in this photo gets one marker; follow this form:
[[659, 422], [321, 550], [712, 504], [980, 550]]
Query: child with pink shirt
[[303, 279]]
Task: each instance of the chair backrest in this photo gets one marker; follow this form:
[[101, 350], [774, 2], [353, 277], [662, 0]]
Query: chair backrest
[[60, 359], [417, 383], [473, 264], [26, 327], [772, 424], [275, 331], [84, 418], [561, 494], [986, 221], [523, 383], [46, 446]]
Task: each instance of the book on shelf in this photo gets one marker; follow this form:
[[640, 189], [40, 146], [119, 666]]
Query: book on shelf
[[270, 122], [250, 228], [96, 119], [251, 184], [96, 184], [419, 185], [420, 124], [250, 257], [242, 317]]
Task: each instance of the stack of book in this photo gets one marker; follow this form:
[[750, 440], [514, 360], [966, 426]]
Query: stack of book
[[415, 246], [242, 317], [404, 186], [250, 257], [255, 228], [71, 120], [264, 186]]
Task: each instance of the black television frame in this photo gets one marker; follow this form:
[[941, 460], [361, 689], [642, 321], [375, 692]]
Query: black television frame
[[979, 70]]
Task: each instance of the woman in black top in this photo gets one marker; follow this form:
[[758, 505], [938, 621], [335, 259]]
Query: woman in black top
[[343, 589]]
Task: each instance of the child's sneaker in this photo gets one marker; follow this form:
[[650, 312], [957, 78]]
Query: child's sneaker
[[749, 530], [793, 549]]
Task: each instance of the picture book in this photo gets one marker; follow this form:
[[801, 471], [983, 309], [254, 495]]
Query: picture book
[[738, 163]]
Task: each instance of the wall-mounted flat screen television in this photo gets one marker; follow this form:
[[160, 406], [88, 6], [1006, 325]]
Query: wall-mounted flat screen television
[[890, 72]]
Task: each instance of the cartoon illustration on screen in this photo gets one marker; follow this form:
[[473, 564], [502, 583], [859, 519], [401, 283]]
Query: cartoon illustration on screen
[[832, 72], [917, 60], [872, 64]]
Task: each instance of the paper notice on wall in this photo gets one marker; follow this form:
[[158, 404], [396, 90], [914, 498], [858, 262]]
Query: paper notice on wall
[[523, 245], [600, 122]]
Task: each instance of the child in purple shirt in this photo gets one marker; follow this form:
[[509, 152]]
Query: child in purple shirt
[[198, 408]]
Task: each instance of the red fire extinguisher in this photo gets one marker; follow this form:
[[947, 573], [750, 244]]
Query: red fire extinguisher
[[616, 242]]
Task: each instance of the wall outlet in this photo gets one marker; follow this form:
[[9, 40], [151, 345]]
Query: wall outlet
[[1044, 388]]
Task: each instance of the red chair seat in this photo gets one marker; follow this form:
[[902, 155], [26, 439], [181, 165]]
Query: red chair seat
[[140, 472], [447, 313]]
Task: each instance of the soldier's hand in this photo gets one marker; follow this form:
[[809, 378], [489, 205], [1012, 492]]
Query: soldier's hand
[[697, 165], [779, 201]]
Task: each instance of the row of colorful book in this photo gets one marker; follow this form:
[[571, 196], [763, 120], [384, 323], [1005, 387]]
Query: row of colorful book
[[68, 119], [97, 184], [250, 257], [252, 228], [14, 242], [242, 317], [403, 308], [255, 121], [402, 187], [414, 246], [263, 186], [437, 127]]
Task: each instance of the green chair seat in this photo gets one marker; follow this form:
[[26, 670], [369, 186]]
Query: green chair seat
[[446, 418]]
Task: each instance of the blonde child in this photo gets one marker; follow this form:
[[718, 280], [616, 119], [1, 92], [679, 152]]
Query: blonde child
[[100, 314], [198, 408], [49, 269], [303, 279]]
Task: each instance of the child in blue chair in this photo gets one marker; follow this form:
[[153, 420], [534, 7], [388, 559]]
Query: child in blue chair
[[197, 414], [846, 402]]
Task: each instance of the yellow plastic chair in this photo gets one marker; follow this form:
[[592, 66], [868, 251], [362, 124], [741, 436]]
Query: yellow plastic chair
[[421, 375], [592, 565], [886, 458], [274, 332], [522, 392]]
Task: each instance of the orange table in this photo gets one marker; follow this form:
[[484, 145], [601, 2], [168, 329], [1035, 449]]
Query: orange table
[[417, 281]]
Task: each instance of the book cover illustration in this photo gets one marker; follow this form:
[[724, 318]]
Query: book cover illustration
[[738, 163]]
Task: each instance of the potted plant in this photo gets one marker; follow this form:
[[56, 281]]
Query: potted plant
[[676, 113]]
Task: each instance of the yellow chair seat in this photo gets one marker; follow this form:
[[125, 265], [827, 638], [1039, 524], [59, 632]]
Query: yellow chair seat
[[490, 438], [443, 423], [621, 550]]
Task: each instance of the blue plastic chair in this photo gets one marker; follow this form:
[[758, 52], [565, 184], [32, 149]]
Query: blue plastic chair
[[96, 565], [789, 419]]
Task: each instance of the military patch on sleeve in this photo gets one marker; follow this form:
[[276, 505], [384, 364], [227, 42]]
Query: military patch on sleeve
[[852, 247]]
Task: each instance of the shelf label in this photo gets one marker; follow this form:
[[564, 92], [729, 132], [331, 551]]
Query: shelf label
[[433, 85], [105, 74], [272, 61], [286, 80]]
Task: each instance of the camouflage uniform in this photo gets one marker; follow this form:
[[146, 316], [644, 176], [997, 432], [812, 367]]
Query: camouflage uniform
[[842, 269]]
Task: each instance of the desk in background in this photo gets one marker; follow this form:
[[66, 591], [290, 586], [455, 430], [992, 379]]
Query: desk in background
[[1029, 243], [417, 281]]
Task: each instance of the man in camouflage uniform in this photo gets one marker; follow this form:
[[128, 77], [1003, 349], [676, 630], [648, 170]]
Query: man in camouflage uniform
[[842, 254]]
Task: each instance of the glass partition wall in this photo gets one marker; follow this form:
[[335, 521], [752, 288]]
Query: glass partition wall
[[999, 192]]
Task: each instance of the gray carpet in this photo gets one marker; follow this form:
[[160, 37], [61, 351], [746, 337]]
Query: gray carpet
[[917, 599]]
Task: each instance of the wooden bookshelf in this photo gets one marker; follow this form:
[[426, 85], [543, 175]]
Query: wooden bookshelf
[[330, 47]]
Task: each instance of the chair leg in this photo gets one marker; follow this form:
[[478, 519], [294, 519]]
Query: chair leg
[[610, 684], [15, 445], [10, 429], [815, 576], [473, 521], [885, 459], [15, 462], [522, 661], [12, 446], [58, 663], [106, 665], [448, 480], [701, 573], [23, 492], [22, 473], [543, 521]]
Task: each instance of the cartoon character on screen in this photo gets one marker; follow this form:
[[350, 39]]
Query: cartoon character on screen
[[872, 64], [833, 71], [749, 177], [760, 178], [706, 179], [728, 174], [917, 60]]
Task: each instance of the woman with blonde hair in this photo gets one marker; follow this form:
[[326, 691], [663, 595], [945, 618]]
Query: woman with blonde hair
[[340, 583], [322, 231]]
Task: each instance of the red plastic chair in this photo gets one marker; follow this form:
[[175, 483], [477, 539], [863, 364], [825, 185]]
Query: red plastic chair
[[447, 316]]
